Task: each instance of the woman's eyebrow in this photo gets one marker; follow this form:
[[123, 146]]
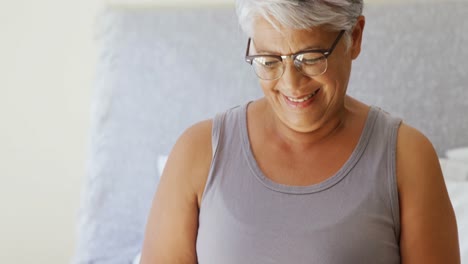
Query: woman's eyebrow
[[310, 47]]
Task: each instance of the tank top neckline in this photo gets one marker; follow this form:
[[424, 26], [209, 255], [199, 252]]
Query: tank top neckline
[[321, 186]]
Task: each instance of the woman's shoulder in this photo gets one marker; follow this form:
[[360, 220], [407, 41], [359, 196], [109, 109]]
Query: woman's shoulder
[[198, 131], [416, 154], [192, 154], [195, 140]]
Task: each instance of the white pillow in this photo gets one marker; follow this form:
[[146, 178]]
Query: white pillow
[[460, 154], [454, 170], [137, 258], [458, 192], [162, 159]]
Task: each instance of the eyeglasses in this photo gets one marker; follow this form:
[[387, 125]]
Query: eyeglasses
[[309, 62]]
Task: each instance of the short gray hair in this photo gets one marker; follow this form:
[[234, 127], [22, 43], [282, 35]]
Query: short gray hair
[[301, 14]]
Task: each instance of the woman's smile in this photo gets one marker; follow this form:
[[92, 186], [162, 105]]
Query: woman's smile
[[301, 101]]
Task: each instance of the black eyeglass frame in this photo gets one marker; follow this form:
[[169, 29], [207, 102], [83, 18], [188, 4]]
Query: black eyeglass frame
[[326, 52]]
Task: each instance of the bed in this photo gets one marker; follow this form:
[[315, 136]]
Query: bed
[[414, 67]]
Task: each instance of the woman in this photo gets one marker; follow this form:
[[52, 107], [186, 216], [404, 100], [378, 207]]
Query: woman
[[306, 174]]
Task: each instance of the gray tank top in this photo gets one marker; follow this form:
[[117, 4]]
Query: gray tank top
[[352, 217]]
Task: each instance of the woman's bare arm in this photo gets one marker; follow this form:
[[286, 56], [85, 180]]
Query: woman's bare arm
[[172, 226], [428, 224]]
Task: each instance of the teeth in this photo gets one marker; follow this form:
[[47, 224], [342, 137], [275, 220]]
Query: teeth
[[303, 99], [300, 100]]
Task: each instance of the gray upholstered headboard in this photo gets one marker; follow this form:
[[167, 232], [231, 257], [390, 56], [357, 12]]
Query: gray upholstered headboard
[[414, 64], [160, 70]]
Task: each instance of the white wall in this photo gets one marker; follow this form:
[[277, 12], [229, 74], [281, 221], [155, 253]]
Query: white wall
[[46, 66]]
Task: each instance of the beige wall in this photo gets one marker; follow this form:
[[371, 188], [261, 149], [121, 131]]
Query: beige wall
[[46, 66], [135, 3]]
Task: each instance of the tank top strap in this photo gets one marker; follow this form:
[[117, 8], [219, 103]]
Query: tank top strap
[[218, 121], [221, 132], [219, 125], [392, 124]]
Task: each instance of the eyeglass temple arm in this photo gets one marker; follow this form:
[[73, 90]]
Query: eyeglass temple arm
[[247, 59], [335, 43]]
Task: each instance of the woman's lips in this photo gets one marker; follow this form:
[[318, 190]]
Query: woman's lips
[[301, 102]]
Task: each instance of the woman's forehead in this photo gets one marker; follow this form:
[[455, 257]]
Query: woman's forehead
[[270, 39], [264, 28]]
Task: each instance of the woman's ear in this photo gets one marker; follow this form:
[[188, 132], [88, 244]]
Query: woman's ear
[[356, 37]]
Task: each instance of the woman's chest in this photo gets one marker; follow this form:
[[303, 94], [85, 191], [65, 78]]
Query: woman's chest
[[301, 169], [261, 232]]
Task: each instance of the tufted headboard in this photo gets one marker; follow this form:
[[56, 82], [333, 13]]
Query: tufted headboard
[[161, 70]]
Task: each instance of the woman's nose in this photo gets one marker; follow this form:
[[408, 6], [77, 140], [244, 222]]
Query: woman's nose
[[292, 76]]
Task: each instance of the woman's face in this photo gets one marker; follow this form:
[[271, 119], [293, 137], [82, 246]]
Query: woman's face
[[327, 90]]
